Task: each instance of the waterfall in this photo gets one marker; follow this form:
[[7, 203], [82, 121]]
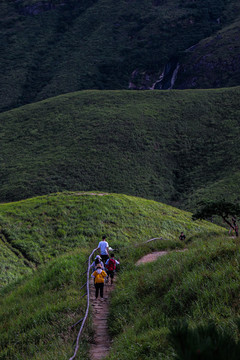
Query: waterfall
[[142, 79], [159, 80], [168, 77], [174, 76]]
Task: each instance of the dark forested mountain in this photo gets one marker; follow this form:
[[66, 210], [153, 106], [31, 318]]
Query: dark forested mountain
[[50, 47]]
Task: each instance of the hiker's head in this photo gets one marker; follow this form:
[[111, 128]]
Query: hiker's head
[[112, 255], [98, 257], [104, 237], [99, 266]]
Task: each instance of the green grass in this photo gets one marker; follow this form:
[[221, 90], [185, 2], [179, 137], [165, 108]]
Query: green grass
[[40, 229], [37, 314], [38, 305], [226, 188], [164, 145], [194, 288], [98, 44]]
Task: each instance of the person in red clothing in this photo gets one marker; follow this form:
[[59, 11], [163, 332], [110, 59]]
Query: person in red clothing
[[99, 276], [111, 266]]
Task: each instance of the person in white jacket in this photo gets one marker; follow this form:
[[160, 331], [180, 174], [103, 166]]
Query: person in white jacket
[[103, 248]]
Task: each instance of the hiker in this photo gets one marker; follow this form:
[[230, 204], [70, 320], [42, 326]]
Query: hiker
[[111, 267], [182, 237], [97, 260], [236, 229], [99, 276], [103, 248], [234, 224]]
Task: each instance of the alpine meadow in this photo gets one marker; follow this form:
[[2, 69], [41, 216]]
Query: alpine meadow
[[119, 137]]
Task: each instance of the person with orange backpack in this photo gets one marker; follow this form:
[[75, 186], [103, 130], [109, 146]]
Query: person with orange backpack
[[99, 276], [111, 267]]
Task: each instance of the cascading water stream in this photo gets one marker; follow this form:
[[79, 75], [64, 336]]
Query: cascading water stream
[[159, 80], [174, 76], [141, 80], [168, 77]]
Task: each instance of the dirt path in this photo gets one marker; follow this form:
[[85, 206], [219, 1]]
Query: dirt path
[[100, 310], [151, 257], [154, 255]]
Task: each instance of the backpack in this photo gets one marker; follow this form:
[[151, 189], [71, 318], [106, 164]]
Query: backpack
[[99, 278], [111, 265]]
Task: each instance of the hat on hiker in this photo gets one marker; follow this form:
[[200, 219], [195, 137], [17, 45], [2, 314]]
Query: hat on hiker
[[99, 266], [98, 257]]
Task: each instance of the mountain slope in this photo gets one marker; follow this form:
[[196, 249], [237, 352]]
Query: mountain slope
[[57, 233], [159, 145], [55, 47], [40, 229], [213, 62], [182, 306]]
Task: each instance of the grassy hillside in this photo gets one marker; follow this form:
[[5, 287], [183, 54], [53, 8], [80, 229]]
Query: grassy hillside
[[226, 188], [184, 306], [167, 146], [37, 230], [56, 233], [54, 47], [37, 314]]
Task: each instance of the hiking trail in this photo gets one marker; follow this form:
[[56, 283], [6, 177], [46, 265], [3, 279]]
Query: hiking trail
[[100, 347], [100, 310], [154, 255]]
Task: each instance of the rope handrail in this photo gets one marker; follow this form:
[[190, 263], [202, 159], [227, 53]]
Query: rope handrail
[[83, 320], [88, 303], [145, 242]]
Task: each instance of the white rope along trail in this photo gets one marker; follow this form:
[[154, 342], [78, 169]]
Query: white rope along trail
[[86, 314], [88, 296]]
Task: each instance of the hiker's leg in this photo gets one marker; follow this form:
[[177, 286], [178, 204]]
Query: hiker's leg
[[101, 289], [97, 289], [111, 276]]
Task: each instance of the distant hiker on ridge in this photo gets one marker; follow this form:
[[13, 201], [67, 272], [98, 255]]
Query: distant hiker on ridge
[[234, 224], [103, 248], [236, 229], [182, 237]]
